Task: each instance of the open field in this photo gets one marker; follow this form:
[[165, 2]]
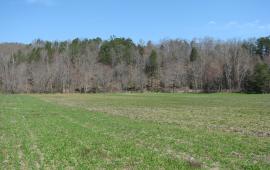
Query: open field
[[135, 131]]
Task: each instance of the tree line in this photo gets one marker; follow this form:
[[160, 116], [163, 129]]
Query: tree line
[[119, 64]]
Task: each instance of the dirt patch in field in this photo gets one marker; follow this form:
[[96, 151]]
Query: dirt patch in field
[[249, 133], [22, 161]]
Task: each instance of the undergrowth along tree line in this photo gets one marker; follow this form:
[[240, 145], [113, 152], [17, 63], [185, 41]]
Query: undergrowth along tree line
[[119, 64]]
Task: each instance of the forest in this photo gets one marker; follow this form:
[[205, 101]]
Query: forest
[[119, 64]]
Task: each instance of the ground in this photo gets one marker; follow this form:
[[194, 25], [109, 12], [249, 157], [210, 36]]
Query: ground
[[135, 131]]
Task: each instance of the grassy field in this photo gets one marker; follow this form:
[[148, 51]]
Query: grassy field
[[135, 131]]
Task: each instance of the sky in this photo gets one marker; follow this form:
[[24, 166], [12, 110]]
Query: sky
[[26, 20]]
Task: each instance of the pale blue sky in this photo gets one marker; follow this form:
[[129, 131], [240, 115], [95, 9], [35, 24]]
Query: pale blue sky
[[26, 20]]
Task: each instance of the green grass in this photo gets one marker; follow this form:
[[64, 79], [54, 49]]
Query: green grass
[[134, 131]]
